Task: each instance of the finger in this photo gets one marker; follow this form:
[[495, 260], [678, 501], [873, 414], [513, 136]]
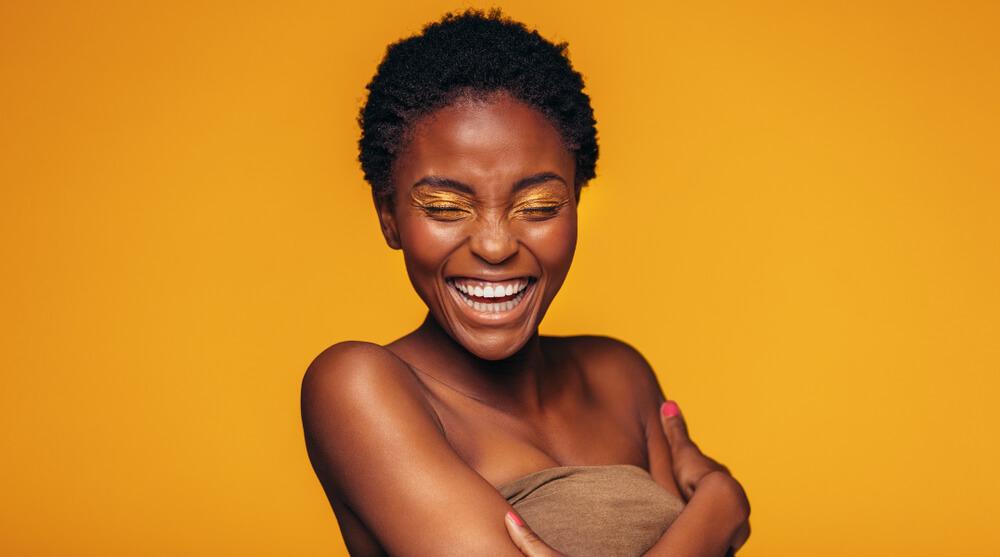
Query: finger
[[690, 464], [525, 538], [674, 426]]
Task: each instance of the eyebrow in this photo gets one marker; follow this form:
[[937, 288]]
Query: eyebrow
[[442, 182]]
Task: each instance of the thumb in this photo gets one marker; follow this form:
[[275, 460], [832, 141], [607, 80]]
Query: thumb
[[527, 540], [674, 426]]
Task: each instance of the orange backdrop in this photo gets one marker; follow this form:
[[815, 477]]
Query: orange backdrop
[[795, 220]]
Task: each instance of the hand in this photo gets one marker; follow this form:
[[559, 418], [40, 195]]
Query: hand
[[525, 539], [691, 466]]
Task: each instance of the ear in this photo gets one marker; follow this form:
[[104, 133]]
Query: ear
[[386, 218]]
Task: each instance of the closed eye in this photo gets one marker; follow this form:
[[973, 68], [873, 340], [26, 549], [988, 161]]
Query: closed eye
[[445, 212], [539, 212], [545, 209]]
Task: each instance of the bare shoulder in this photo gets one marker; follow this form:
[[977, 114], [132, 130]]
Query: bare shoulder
[[615, 364], [386, 465], [353, 373], [354, 397], [349, 360], [360, 379]]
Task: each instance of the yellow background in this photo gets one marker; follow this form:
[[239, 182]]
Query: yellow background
[[795, 220]]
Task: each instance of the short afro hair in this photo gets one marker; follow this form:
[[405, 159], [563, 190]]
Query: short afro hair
[[467, 55]]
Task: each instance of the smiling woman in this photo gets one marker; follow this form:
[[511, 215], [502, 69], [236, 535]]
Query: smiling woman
[[490, 206], [477, 142]]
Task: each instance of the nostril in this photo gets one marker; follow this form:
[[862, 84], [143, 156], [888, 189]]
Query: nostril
[[494, 250]]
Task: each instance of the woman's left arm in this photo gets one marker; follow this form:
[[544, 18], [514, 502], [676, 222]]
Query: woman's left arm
[[679, 466], [715, 520]]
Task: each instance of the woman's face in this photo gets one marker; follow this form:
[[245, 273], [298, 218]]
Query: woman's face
[[485, 213]]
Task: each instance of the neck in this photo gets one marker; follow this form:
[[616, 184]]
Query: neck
[[513, 384]]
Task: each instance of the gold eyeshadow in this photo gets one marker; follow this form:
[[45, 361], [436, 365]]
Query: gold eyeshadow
[[534, 203], [541, 202], [439, 203]]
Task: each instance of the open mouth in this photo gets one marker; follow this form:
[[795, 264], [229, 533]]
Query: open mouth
[[491, 297]]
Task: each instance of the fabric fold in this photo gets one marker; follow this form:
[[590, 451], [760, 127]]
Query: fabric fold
[[614, 510]]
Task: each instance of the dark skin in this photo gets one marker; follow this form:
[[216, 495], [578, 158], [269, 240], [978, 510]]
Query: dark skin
[[411, 439]]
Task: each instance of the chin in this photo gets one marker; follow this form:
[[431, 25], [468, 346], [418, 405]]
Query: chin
[[494, 347], [495, 327]]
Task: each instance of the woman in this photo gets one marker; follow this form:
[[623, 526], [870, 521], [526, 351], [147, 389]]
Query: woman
[[477, 139]]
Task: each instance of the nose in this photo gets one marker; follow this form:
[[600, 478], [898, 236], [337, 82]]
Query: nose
[[493, 241]]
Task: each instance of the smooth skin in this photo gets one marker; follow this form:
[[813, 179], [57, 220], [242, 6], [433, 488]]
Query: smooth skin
[[410, 439]]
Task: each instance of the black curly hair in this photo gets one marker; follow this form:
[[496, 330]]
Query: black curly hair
[[471, 54]]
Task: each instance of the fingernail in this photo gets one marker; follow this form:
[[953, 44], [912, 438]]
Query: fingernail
[[516, 519], [669, 409]]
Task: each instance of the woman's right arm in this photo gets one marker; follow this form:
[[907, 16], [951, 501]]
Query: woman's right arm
[[375, 442]]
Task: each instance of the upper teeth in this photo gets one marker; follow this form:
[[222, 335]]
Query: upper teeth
[[484, 289]]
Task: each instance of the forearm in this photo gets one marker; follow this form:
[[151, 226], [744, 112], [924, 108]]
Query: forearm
[[708, 523]]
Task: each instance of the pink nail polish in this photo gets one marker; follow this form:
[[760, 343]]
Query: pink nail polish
[[670, 409], [517, 520]]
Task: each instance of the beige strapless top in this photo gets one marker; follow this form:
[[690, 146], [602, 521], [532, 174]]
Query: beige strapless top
[[601, 511]]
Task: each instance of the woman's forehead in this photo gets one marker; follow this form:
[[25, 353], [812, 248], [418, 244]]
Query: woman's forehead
[[485, 140]]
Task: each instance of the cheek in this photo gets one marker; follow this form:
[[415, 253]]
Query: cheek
[[553, 243], [427, 244]]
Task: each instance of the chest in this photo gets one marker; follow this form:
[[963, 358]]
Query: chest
[[585, 425]]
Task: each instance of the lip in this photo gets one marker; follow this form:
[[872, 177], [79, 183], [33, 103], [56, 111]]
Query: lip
[[496, 278], [491, 318]]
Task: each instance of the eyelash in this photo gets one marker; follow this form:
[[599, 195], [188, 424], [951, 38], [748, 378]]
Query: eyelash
[[536, 211], [548, 209], [443, 212], [540, 212], [441, 208]]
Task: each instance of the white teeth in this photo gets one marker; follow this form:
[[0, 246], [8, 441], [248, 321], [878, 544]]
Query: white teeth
[[485, 289], [515, 289]]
